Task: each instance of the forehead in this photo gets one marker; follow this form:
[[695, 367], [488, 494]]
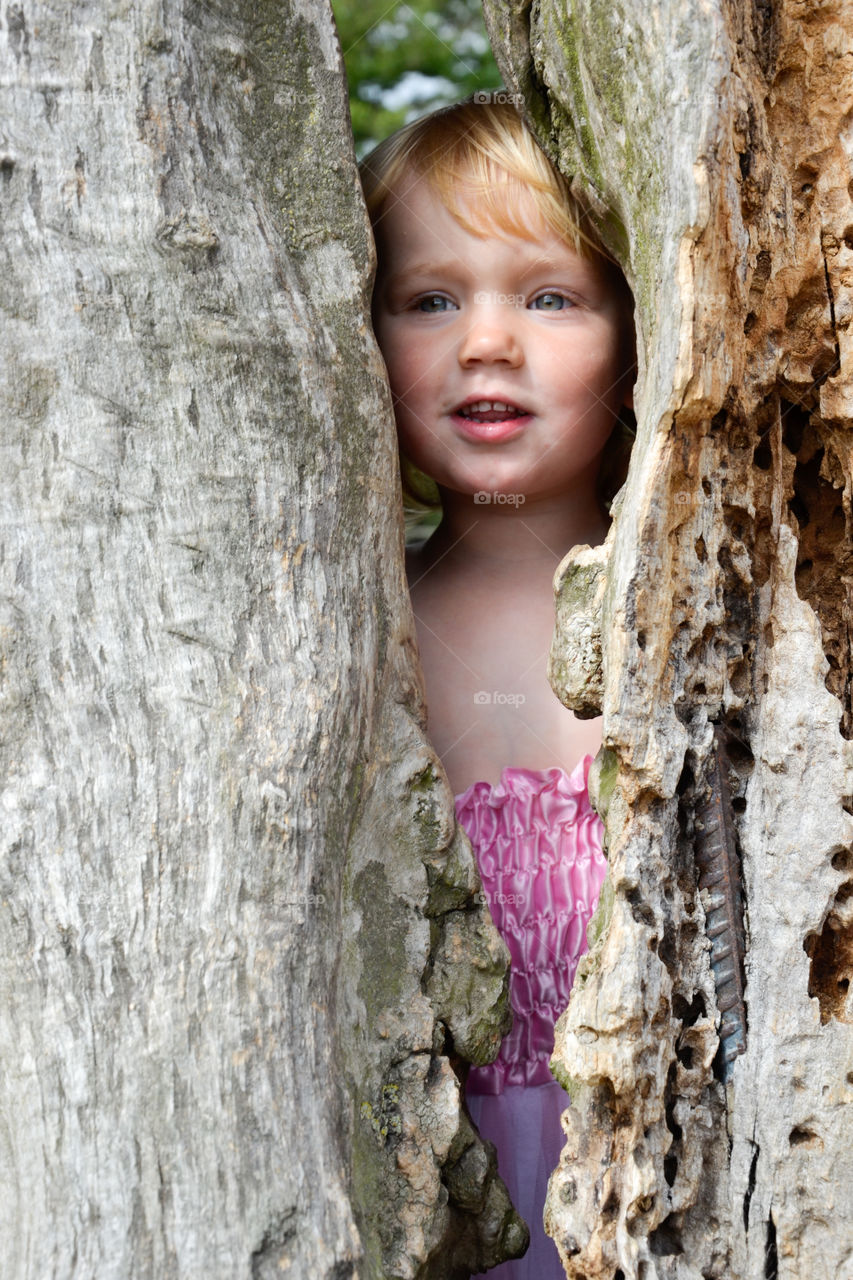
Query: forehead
[[417, 230], [416, 214], [505, 204]]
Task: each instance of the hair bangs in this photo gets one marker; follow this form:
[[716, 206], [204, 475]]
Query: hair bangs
[[486, 169]]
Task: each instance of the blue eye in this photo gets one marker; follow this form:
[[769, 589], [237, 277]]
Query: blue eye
[[551, 302], [433, 304]]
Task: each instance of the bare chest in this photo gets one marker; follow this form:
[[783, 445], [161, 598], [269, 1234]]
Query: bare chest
[[489, 702]]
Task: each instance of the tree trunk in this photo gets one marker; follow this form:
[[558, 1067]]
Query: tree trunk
[[239, 940], [709, 1139]]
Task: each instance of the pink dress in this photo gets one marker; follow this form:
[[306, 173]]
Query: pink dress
[[537, 841]]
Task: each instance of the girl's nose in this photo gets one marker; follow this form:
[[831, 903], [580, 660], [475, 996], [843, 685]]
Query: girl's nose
[[491, 339]]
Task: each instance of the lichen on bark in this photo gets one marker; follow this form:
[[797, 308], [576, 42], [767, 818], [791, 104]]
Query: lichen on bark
[[425, 986]]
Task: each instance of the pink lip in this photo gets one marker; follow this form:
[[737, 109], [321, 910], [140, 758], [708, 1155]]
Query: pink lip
[[490, 432]]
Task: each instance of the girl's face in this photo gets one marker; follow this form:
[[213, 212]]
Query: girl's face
[[508, 358]]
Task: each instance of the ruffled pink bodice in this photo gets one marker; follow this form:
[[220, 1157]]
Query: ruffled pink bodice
[[537, 841]]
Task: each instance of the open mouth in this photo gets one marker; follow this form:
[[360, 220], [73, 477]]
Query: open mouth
[[490, 422], [487, 411]]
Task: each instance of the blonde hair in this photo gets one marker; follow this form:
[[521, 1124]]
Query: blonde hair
[[480, 152]]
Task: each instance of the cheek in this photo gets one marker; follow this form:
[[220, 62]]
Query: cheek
[[417, 444], [604, 372], [404, 371], [407, 382]]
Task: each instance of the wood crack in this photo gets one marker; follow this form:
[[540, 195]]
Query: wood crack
[[719, 870]]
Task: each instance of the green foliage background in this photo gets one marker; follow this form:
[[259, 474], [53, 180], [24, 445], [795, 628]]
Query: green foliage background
[[426, 53]]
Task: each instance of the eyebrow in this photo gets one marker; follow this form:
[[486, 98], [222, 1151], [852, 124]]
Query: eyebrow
[[545, 262], [429, 268], [392, 281]]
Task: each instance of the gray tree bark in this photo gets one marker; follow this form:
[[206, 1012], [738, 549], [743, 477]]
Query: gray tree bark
[[241, 947], [719, 136]]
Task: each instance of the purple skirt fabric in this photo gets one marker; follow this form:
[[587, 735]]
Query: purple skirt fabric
[[537, 841]]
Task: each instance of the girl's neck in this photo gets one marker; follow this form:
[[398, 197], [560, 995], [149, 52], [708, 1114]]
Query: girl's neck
[[514, 539]]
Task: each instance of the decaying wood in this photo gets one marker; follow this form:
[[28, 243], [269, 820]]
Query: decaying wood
[[719, 137], [239, 941], [718, 864]]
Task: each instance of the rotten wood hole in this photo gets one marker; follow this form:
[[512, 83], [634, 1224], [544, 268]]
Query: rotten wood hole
[[719, 867], [811, 458], [796, 448], [820, 514], [820, 508]]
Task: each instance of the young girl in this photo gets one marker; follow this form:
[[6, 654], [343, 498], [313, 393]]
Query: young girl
[[508, 339]]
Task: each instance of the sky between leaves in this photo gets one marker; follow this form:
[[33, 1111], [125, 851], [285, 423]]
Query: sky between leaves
[[404, 59]]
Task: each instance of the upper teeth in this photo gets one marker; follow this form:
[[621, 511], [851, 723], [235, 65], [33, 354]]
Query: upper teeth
[[489, 406]]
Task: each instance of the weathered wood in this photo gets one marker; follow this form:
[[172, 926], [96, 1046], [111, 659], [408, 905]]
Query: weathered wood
[[719, 877], [719, 137], [239, 941]]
